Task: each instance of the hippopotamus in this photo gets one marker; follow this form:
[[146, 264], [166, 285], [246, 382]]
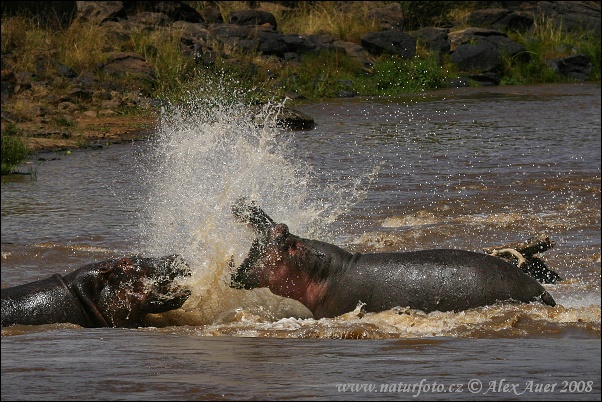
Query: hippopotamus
[[331, 281], [111, 293]]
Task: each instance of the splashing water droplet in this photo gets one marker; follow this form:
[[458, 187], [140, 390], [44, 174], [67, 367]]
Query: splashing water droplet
[[211, 150]]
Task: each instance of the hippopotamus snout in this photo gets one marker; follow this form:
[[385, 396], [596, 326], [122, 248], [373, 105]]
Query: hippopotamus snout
[[143, 285], [249, 212], [166, 290]]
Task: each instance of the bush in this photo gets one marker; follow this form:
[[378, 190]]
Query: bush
[[395, 75], [14, 151], [321, 75]]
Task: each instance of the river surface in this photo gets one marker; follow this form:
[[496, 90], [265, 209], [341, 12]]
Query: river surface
[[465, 168]]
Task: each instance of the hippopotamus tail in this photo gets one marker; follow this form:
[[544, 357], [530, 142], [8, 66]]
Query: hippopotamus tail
[[547, 298], [248, 211]]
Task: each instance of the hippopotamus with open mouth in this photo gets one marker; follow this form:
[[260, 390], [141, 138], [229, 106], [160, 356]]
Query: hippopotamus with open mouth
[[112, 293], [330, 281]]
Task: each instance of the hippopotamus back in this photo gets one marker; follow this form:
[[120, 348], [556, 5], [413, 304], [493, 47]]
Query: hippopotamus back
[[428, 280], [32, 303]]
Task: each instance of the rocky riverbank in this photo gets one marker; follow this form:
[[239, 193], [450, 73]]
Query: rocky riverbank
[[53, 105]]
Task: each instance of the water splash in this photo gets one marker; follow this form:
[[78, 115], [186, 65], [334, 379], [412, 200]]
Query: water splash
[[212, 149]]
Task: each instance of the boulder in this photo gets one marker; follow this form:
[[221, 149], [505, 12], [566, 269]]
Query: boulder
[[391, 42]]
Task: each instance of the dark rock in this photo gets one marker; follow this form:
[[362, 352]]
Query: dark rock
[[100, 11], [346, 94], [461, 82], [175, 10], [485, 79], [509, 48], [293, 119], [481, 57], [80, 94], [8, 117], [435, 39], [501, 19], [8, 84], [570, 16], [391, 42], [577, 67], [126, 63], [151, 18], [117, 31], [211, 14], [471, 35], [269, 42], [66, 71], [252, 17], [357, 53], [388, 17]]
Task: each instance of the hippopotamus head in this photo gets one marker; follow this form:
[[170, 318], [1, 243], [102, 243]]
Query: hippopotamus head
[[289, 265], [121, 292]]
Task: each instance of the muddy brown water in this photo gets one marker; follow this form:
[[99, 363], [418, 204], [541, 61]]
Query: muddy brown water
[[465, 168]]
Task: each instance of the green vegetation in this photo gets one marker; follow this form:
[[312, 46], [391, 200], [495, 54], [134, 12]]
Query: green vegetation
[[27, 45], [545, 42], [14, 151]]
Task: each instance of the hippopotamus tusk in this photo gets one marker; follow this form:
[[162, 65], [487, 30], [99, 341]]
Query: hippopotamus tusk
[[331, 281]]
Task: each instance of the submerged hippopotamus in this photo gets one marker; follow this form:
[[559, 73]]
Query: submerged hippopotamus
[[330, 281], [112, 293]]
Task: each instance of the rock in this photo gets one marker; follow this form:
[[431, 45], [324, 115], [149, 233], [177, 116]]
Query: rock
[[152, 18], [569, 16], [470, 35], [252, 17], [481, 57], [66, 71], [435, 39], [388, 17], [174, 10], [100, 11], [577, 66], [293, 119], [129, 64], [501, 19], [391, 42], [9, 82]]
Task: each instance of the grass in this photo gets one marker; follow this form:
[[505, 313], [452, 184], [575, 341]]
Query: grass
[[394, 75], [548, 41], [27, 45], [14, 151]]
